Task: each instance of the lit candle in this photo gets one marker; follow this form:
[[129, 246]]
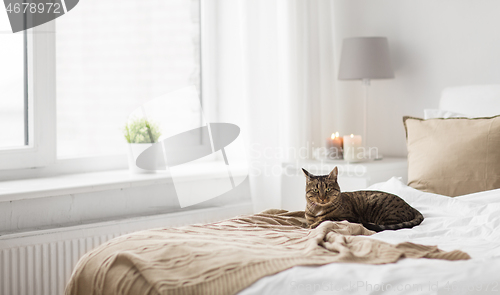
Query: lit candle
[[335, 145], [353, 151]]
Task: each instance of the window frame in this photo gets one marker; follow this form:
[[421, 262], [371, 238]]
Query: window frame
[[39, 159], [41, 103]]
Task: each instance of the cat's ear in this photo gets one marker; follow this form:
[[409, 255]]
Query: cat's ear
[[308, 175], [333, 174]]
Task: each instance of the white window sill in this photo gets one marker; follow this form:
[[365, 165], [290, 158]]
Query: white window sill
[[14, 190]]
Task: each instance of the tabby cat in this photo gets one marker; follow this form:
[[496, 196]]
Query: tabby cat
[[376, 210]]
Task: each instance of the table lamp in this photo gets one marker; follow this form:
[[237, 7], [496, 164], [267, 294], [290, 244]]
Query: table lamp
[[365, 58]]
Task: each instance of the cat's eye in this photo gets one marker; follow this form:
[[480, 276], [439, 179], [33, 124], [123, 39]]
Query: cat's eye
[[328, 189], [315, 190]]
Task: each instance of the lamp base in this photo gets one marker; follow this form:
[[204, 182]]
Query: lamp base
[[369, 156], [373, 154]]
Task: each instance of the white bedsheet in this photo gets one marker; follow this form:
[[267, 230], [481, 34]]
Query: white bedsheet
[[469, 223]]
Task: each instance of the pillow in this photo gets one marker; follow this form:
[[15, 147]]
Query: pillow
[[437, 113], [454, 156]]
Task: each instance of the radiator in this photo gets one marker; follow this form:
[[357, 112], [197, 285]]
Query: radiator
[[43, 268], [41, 262]]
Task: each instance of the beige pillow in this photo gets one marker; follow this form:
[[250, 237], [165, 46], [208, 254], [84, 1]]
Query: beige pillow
[[454, 156]]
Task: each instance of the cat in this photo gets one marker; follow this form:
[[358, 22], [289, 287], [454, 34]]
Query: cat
[[375, 210]]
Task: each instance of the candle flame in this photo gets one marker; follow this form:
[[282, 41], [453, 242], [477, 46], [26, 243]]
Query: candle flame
[[352, 135], [334, 135]]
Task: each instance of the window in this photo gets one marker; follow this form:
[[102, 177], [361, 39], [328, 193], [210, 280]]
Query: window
[[12, 90], [89, 69], [108, 64], [27, 105]]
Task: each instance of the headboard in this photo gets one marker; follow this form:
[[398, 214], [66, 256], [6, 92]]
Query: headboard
[[474, 100]]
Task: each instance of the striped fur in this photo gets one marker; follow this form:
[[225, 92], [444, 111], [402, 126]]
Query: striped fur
[[376, 210]]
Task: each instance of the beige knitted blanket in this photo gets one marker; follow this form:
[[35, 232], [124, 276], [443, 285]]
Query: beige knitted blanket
[[225, 257]]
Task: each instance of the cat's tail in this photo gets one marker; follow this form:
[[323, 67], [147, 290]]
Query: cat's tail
[[407, 224]]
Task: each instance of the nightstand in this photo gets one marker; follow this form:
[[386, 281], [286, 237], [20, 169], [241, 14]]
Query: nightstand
[[352, 177]]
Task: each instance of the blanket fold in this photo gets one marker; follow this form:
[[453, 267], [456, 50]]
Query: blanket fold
[[227, 256]]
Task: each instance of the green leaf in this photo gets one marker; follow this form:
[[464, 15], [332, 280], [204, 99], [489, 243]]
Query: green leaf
[[140, 130]]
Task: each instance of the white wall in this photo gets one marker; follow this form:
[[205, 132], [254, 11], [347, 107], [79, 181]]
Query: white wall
[[434, 44]]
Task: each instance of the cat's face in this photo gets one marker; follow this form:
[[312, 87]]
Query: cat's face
[[323, 189]]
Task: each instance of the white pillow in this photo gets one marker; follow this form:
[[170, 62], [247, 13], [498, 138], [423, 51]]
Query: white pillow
[[436, 113]]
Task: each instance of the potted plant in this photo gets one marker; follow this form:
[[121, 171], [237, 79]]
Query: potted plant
[[140, 135]]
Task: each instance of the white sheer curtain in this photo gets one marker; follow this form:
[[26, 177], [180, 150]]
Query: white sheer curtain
[[286, 95]]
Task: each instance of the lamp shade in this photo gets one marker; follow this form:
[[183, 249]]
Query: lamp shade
[[365, 58]]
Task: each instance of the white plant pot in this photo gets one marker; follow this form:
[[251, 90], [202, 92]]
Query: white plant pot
[[134, 150]]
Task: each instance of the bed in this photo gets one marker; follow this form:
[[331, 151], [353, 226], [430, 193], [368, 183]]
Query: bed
[[465, 228], [469, 223]]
